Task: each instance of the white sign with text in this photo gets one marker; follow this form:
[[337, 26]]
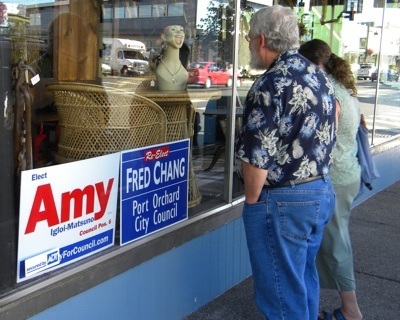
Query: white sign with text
[[67, 212]]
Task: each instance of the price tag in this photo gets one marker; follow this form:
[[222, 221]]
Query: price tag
[[35, 79]]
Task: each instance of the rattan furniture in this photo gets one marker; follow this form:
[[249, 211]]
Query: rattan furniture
[[95, 121], [179, 107]]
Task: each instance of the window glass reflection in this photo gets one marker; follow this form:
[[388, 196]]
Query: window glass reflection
[[117, 45], [372, 49], [119, 13], [159, 10], [144, 11], [65, 41], [175, 9]]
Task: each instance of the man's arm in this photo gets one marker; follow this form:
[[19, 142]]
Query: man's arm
[[254, 179]]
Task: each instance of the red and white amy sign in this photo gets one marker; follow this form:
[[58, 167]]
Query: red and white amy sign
[[67, 212]]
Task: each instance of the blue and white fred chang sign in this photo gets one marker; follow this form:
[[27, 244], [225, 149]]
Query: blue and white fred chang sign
[[154, 189], [67, 212]]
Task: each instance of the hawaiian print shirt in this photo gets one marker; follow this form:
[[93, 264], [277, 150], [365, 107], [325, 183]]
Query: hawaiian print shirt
[[288, 121]]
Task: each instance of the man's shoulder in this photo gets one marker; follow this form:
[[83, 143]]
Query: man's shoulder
[[292, 70], [292, 64]]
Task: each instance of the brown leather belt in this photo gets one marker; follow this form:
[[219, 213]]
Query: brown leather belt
[[293, 182]]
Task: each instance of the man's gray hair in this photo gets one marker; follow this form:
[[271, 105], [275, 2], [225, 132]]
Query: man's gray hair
[[279, 25]]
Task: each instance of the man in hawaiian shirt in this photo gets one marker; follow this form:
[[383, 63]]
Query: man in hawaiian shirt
[[284, 154]]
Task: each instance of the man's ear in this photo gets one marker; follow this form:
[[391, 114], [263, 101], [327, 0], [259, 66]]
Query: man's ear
[[163, 37], [263, 41]]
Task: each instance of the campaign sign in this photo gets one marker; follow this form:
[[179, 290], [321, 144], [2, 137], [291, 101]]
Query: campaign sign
[[67, 212], [154, 189]]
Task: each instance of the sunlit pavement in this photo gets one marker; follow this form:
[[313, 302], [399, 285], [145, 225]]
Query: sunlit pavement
[[374, 229]]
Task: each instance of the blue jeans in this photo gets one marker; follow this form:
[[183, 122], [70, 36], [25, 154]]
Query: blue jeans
[[284, 231]]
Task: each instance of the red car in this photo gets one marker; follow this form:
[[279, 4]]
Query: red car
[[207, 74]]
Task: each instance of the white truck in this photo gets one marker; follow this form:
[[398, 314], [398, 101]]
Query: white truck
[[125, 57]]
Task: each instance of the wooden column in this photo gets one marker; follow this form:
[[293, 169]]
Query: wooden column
[[76, 49]]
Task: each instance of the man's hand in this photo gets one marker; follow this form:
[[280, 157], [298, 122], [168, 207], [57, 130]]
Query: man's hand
[[254, 179]]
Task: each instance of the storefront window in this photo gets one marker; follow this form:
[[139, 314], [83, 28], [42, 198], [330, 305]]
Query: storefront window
[[107, 13], [159, 10], [175, 9], [68, 60], [62, 63], [378, 75], [144, 11], [372, 49], [131, 11], [119, 13]]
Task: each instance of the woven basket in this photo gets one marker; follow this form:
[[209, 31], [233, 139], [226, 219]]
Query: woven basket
[[95, 121]]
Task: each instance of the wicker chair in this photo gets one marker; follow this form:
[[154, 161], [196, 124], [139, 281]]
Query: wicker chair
[[148, 83], [95, 121]]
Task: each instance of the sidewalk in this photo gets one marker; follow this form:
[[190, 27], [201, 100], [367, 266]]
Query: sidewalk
[[375, 231]]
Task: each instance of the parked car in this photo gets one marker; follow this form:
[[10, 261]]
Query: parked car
[[391, 75], [209, 73], [255, 73], [105, 69], [365, 71]]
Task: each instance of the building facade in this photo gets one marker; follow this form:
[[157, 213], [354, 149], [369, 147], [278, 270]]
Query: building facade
[[80, 96]]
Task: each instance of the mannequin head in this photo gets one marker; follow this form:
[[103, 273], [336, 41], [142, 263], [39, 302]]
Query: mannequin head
[[174, 36], [170, 73]]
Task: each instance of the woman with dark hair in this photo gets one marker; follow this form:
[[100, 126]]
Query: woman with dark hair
[[335, 257]]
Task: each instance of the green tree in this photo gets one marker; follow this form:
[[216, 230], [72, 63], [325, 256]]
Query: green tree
[[217, 29]]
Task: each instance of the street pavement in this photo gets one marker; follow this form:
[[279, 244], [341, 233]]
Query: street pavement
[[375, 233]]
